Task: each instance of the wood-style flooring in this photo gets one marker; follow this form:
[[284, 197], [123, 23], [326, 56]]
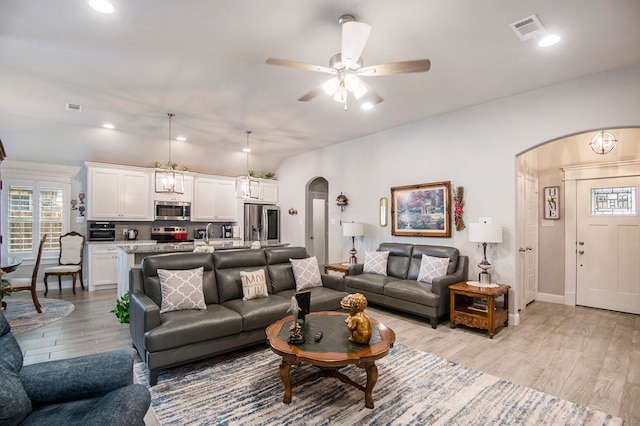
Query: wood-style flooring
[[588, 356]]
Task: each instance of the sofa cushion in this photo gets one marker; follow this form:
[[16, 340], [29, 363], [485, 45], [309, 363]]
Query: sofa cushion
[[279, 266], [259, 313], [15, 405], [373, 283], [434, 251], [181, 328], [181, 289], [375, 262], [306, 273], [399, 258], [150, 265], [412, 291], [432, 267], [229, 264], [254, 284], [322, 298]]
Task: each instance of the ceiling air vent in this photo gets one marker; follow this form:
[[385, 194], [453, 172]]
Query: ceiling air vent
[[74, 107], [527, 28]]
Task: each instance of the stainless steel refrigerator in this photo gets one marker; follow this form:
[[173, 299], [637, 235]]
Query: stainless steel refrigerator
[[262, 223]]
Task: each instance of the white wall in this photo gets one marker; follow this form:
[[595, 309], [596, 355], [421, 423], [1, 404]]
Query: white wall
[[475, 147]]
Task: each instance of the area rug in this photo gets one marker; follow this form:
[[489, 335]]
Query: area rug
[[413, 388], [23, 317]]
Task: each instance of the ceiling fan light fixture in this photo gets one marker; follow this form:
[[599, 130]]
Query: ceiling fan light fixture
[[360, 90], [341, 94], [351, 82], [330, 86]]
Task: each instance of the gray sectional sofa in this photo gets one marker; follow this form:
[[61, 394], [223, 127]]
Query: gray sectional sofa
[[229, 322], [399, 289]]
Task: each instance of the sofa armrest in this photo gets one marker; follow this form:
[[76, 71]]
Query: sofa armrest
[[440, 286], [73, 379], [333, 281], [356, 269]]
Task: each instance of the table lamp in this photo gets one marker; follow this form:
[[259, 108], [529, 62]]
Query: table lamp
[[485, 233], [353, 230]]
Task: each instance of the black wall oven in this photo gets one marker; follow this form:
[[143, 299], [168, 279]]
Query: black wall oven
[[172, 210], [102, 231]]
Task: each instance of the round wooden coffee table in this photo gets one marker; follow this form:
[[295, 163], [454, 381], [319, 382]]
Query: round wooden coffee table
[[333, 352]]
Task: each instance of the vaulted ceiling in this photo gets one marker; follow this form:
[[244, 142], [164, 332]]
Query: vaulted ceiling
[[204, 61]]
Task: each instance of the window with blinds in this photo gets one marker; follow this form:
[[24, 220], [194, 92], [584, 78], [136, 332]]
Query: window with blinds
[[32, 211]]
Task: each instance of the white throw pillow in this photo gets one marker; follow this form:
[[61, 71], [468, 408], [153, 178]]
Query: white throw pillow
[[181, 289], [306, 273], [254, 284], [432, 267], [375, 262]]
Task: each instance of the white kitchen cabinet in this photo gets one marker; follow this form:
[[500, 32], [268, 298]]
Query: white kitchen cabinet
[[186, 196], [103, 266], [269, 192], [118, 194], [214, 200]]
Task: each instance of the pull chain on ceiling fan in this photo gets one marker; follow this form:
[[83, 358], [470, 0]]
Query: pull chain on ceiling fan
[[346, 67]]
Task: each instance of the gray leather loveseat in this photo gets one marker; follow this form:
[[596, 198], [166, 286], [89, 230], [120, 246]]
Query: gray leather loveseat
[[229, 322], [399, 289]]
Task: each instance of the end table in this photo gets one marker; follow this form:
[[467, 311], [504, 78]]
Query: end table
[[466, 314], [337, 267]]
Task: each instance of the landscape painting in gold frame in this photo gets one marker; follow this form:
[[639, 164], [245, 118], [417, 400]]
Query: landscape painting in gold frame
[[422, 210]]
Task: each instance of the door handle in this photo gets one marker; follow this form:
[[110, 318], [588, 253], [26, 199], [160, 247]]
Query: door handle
[[581, 243], [529, 249], [311, 237], [581, 252], [521, 250]]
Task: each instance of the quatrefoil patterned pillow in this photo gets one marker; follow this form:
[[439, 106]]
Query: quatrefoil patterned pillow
[[432, 267], [306, 273], [181, 289], [375, 262]]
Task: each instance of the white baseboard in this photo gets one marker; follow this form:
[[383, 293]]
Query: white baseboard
[[552, 298]]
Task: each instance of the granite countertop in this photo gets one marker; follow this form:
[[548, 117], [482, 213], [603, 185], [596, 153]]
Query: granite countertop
[[186, 247]]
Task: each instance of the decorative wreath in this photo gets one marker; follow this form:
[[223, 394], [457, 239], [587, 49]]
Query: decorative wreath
[[458, 199]]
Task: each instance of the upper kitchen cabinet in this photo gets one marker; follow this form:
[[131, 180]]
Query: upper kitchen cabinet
[[269, 192], [187, 190], [214, 200], [116, 193]]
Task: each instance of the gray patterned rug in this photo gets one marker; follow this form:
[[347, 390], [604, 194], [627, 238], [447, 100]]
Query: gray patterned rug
[[23, 317], [413, 388]]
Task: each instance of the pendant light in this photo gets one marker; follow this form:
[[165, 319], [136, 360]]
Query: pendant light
[[169, 180], [603, 142], [245, 185]]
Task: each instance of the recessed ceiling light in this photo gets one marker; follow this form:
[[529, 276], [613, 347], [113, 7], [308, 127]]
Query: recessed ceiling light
[[367, 105], [102, 6], [549, 40], [108, 126], [181, 138], [246, 149]]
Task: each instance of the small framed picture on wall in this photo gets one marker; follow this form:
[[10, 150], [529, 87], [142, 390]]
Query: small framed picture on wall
[[552, 202]]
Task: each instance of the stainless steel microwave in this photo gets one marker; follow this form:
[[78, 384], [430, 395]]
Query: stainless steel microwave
[[172, 210]]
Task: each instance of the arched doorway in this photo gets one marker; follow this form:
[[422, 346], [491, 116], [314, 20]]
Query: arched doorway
[[316, 235]]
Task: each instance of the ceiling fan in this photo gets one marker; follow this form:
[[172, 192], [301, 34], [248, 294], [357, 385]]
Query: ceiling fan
[[346, 67]]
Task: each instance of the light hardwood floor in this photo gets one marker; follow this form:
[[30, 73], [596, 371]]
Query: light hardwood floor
[[588, 356]]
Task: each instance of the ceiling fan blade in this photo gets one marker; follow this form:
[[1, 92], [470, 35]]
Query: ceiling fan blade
[[300, 65], [371, 96], [311, 94], [354, 38], [420, 65]]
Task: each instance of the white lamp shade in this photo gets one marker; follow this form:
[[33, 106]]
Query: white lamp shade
[[485, 233], [352, 229]]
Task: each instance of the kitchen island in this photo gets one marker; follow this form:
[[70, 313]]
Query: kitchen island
[[130, 255]]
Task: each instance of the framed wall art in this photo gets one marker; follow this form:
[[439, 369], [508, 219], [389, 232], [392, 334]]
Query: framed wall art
[[552, 202], [422, 210]]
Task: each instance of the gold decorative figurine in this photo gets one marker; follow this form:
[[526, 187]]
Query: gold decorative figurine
[[296, 338], [358, 321]]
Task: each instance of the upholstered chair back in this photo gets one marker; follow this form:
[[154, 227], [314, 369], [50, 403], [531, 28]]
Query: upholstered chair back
[[71, 248], [280, 270], [179, 261]]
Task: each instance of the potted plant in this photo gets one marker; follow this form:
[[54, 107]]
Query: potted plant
[[122, 309]]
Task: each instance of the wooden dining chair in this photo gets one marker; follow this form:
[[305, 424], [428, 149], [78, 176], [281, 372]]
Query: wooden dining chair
[[26, 284], [69, 262]]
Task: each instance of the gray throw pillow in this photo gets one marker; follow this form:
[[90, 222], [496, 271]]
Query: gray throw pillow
[[181, 289]]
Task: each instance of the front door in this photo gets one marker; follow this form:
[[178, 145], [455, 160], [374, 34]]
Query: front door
[[608, 244]]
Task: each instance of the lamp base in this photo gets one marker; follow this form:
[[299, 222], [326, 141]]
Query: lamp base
[[484, 277]]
